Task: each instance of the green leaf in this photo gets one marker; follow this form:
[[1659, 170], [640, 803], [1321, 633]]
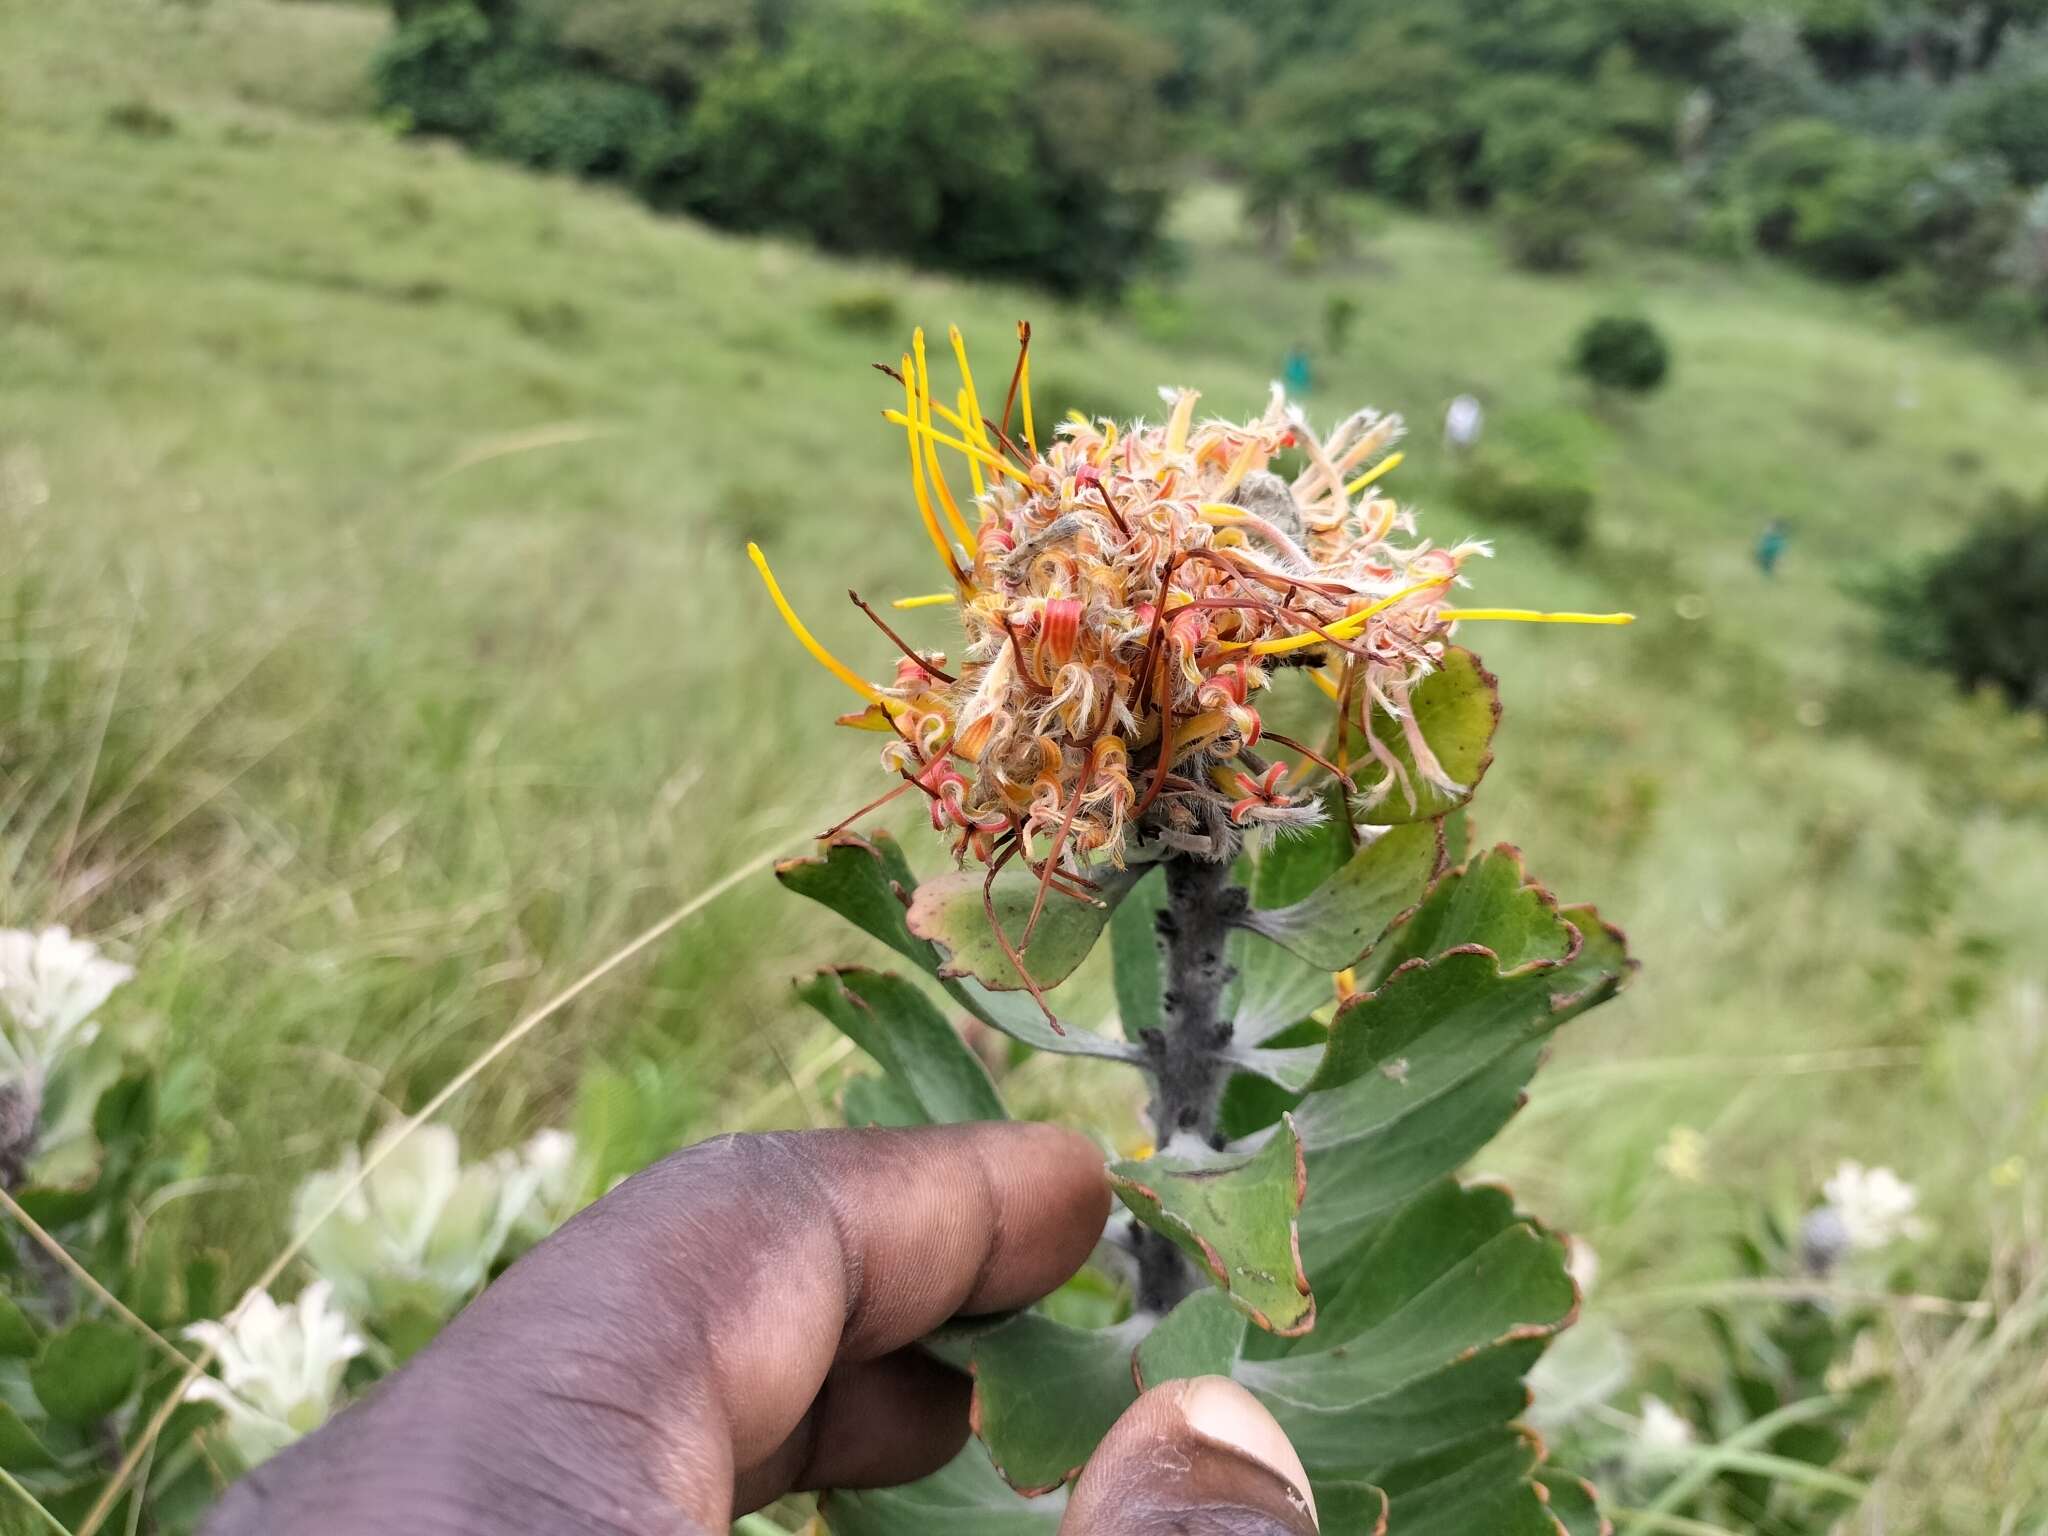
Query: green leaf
[[87, 1371], [965, 1498], [912, 1042], [18, 1338], [21, 1449], [1203, 1336], [1333, 927], [1491, 901], [951, 911], [1423, 1071], [1138, 970], [869, 882], [205, 1295], [1456, 709], [1235, 1214], [1274, 989], [1431, 1325], [1045, 1393], [1574, 1502], [871, 1099], [126, 1112], [56, 1206]]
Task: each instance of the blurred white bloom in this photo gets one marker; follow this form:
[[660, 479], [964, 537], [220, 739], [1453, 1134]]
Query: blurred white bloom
[[1875, 1205], [546, 1183], [1583, 1368], [280, 1368], [1684, 1155], [50, 986], [1661, 1428], [1463, 421], [421, 1230]]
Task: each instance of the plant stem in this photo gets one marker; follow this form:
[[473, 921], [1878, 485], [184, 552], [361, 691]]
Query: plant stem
[[1203, 904]]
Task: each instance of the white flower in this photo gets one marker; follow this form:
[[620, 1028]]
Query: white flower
[[421, 1230], [280, 1368], [1875, 1205], [546, 1182], [50, 986], [1463, 421], [1660, 1428]]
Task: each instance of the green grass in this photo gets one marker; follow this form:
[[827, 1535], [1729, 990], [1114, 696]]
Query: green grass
[[380, 652]]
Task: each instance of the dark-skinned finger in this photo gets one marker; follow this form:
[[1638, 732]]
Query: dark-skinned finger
[[1193, 1458]]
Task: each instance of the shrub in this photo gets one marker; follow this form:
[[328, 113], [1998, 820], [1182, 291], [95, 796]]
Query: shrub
[[1622, 352], [1585, 188], [1980, 611], [1557, 509]]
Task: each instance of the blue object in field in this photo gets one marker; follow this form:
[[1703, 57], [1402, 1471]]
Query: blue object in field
[[1770, 547], [1294, 372]]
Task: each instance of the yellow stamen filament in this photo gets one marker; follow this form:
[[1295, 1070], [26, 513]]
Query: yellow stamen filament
[[970, 402], [924, 500], [809, 641], [1531, 616], [926, 600], [1386, 465], [1346, 627], [1325, 684], [931, 451], [973, 461], [1024, 390], [935, 435]]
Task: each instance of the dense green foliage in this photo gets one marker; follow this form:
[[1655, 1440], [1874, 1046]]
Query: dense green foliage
[[910, 128], [1623, 352], [1868, 140], [1980, 611]]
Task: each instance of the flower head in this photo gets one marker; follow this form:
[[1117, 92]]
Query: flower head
[[51, 984], [1127, 594], [546, 1182], [280, 1368], [422, 1229], [1874, 1205], [1662, 1429]]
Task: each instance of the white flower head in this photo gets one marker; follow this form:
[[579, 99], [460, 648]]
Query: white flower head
[[547, 1182], [1660, 1428], [1875, 1205], [51, 984], [422, 1229], [280, 1368]]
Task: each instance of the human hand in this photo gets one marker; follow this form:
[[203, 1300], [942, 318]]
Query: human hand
[[739, 1321]]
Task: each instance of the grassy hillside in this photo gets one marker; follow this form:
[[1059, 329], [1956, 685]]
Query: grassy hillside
[[380, 652]]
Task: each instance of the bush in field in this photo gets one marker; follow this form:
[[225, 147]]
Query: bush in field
[[1621, 352], [1980, 611], [429, 69], [580, 124], [1587, 188]]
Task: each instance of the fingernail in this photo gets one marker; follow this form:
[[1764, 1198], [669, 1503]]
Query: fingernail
[[1221, 1411]]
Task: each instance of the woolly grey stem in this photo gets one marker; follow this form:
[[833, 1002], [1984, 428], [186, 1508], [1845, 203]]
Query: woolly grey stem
[[1185, 1056]]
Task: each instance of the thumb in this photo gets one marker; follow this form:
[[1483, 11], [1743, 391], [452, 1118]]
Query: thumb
[[1193, 1458]]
